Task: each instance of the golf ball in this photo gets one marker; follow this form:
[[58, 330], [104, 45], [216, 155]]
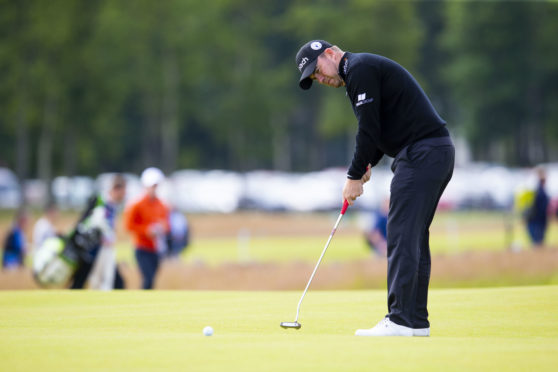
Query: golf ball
[[208, 331]]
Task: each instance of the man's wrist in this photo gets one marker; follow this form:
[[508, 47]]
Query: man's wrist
[[352, 174]]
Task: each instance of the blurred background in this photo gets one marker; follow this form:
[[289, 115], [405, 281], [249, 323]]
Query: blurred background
[[207, 91]]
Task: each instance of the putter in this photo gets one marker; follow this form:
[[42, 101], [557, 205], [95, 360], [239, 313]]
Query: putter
[[296, 324]]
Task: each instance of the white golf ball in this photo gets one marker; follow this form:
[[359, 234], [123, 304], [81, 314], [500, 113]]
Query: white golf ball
[[208, 331]]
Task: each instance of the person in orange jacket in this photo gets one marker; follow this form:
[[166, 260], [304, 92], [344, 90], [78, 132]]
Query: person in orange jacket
[[148, 221]]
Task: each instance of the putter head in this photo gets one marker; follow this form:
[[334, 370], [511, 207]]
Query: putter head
[[295, 325]]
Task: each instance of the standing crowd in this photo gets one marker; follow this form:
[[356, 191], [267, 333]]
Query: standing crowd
[[86, 256]]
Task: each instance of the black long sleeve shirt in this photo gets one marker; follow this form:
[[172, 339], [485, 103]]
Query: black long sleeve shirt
[[392, 109]]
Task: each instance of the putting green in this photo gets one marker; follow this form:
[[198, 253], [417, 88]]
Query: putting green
[[472, 329]]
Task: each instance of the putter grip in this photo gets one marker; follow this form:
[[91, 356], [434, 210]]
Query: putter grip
[[345, 206]]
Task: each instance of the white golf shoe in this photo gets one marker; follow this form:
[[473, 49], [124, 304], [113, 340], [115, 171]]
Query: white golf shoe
[[421, 332], [386, 328]]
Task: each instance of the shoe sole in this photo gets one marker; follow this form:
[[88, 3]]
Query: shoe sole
[[421, 332], [364, 333]]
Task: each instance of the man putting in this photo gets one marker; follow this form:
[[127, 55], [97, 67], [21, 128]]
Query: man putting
[[396, 118]]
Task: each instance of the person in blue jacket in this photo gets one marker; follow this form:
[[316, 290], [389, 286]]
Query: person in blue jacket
[[537, 214], [376, 236], [15, 245]]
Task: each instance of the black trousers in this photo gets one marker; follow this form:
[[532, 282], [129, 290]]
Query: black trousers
[[421, 173], [82, 274], [85, 264], [148, 263]]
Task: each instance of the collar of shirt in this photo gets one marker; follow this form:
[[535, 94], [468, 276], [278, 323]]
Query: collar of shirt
[[344, 66]]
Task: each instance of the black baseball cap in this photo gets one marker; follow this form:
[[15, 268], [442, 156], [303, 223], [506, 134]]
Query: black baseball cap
[[307, 58]]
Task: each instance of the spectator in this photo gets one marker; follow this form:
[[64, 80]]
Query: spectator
[[148, 222], [15, 245], [537, 214], [95, 231], [104, 273], [44, 227], [179, 234], [376, 237]]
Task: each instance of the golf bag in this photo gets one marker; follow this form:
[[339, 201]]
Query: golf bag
[[57, 259]]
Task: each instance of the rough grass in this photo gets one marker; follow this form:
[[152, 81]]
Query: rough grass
[[472, 269], [285, 237], [250, 250], [269, 238], [451, 233], [474, 329]]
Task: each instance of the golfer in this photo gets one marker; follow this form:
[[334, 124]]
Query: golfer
[[395, 118]]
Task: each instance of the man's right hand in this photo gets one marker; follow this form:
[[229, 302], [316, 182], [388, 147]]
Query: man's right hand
[[352, 190], [156, 229]]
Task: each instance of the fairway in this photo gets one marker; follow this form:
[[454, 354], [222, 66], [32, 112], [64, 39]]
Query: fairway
[[483, 329], [256, 237]]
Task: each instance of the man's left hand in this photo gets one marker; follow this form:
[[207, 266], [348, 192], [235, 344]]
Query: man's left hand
[[367, 175]]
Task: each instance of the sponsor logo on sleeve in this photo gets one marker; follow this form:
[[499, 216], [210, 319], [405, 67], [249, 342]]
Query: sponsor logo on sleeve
[[361, 99]]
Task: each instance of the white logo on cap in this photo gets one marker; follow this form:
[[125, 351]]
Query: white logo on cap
[[316, 45], [302, 63]]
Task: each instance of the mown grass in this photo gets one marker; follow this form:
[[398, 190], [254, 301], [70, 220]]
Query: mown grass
[[472, 329]]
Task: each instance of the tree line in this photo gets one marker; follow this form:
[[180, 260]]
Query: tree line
[[114, 85]]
